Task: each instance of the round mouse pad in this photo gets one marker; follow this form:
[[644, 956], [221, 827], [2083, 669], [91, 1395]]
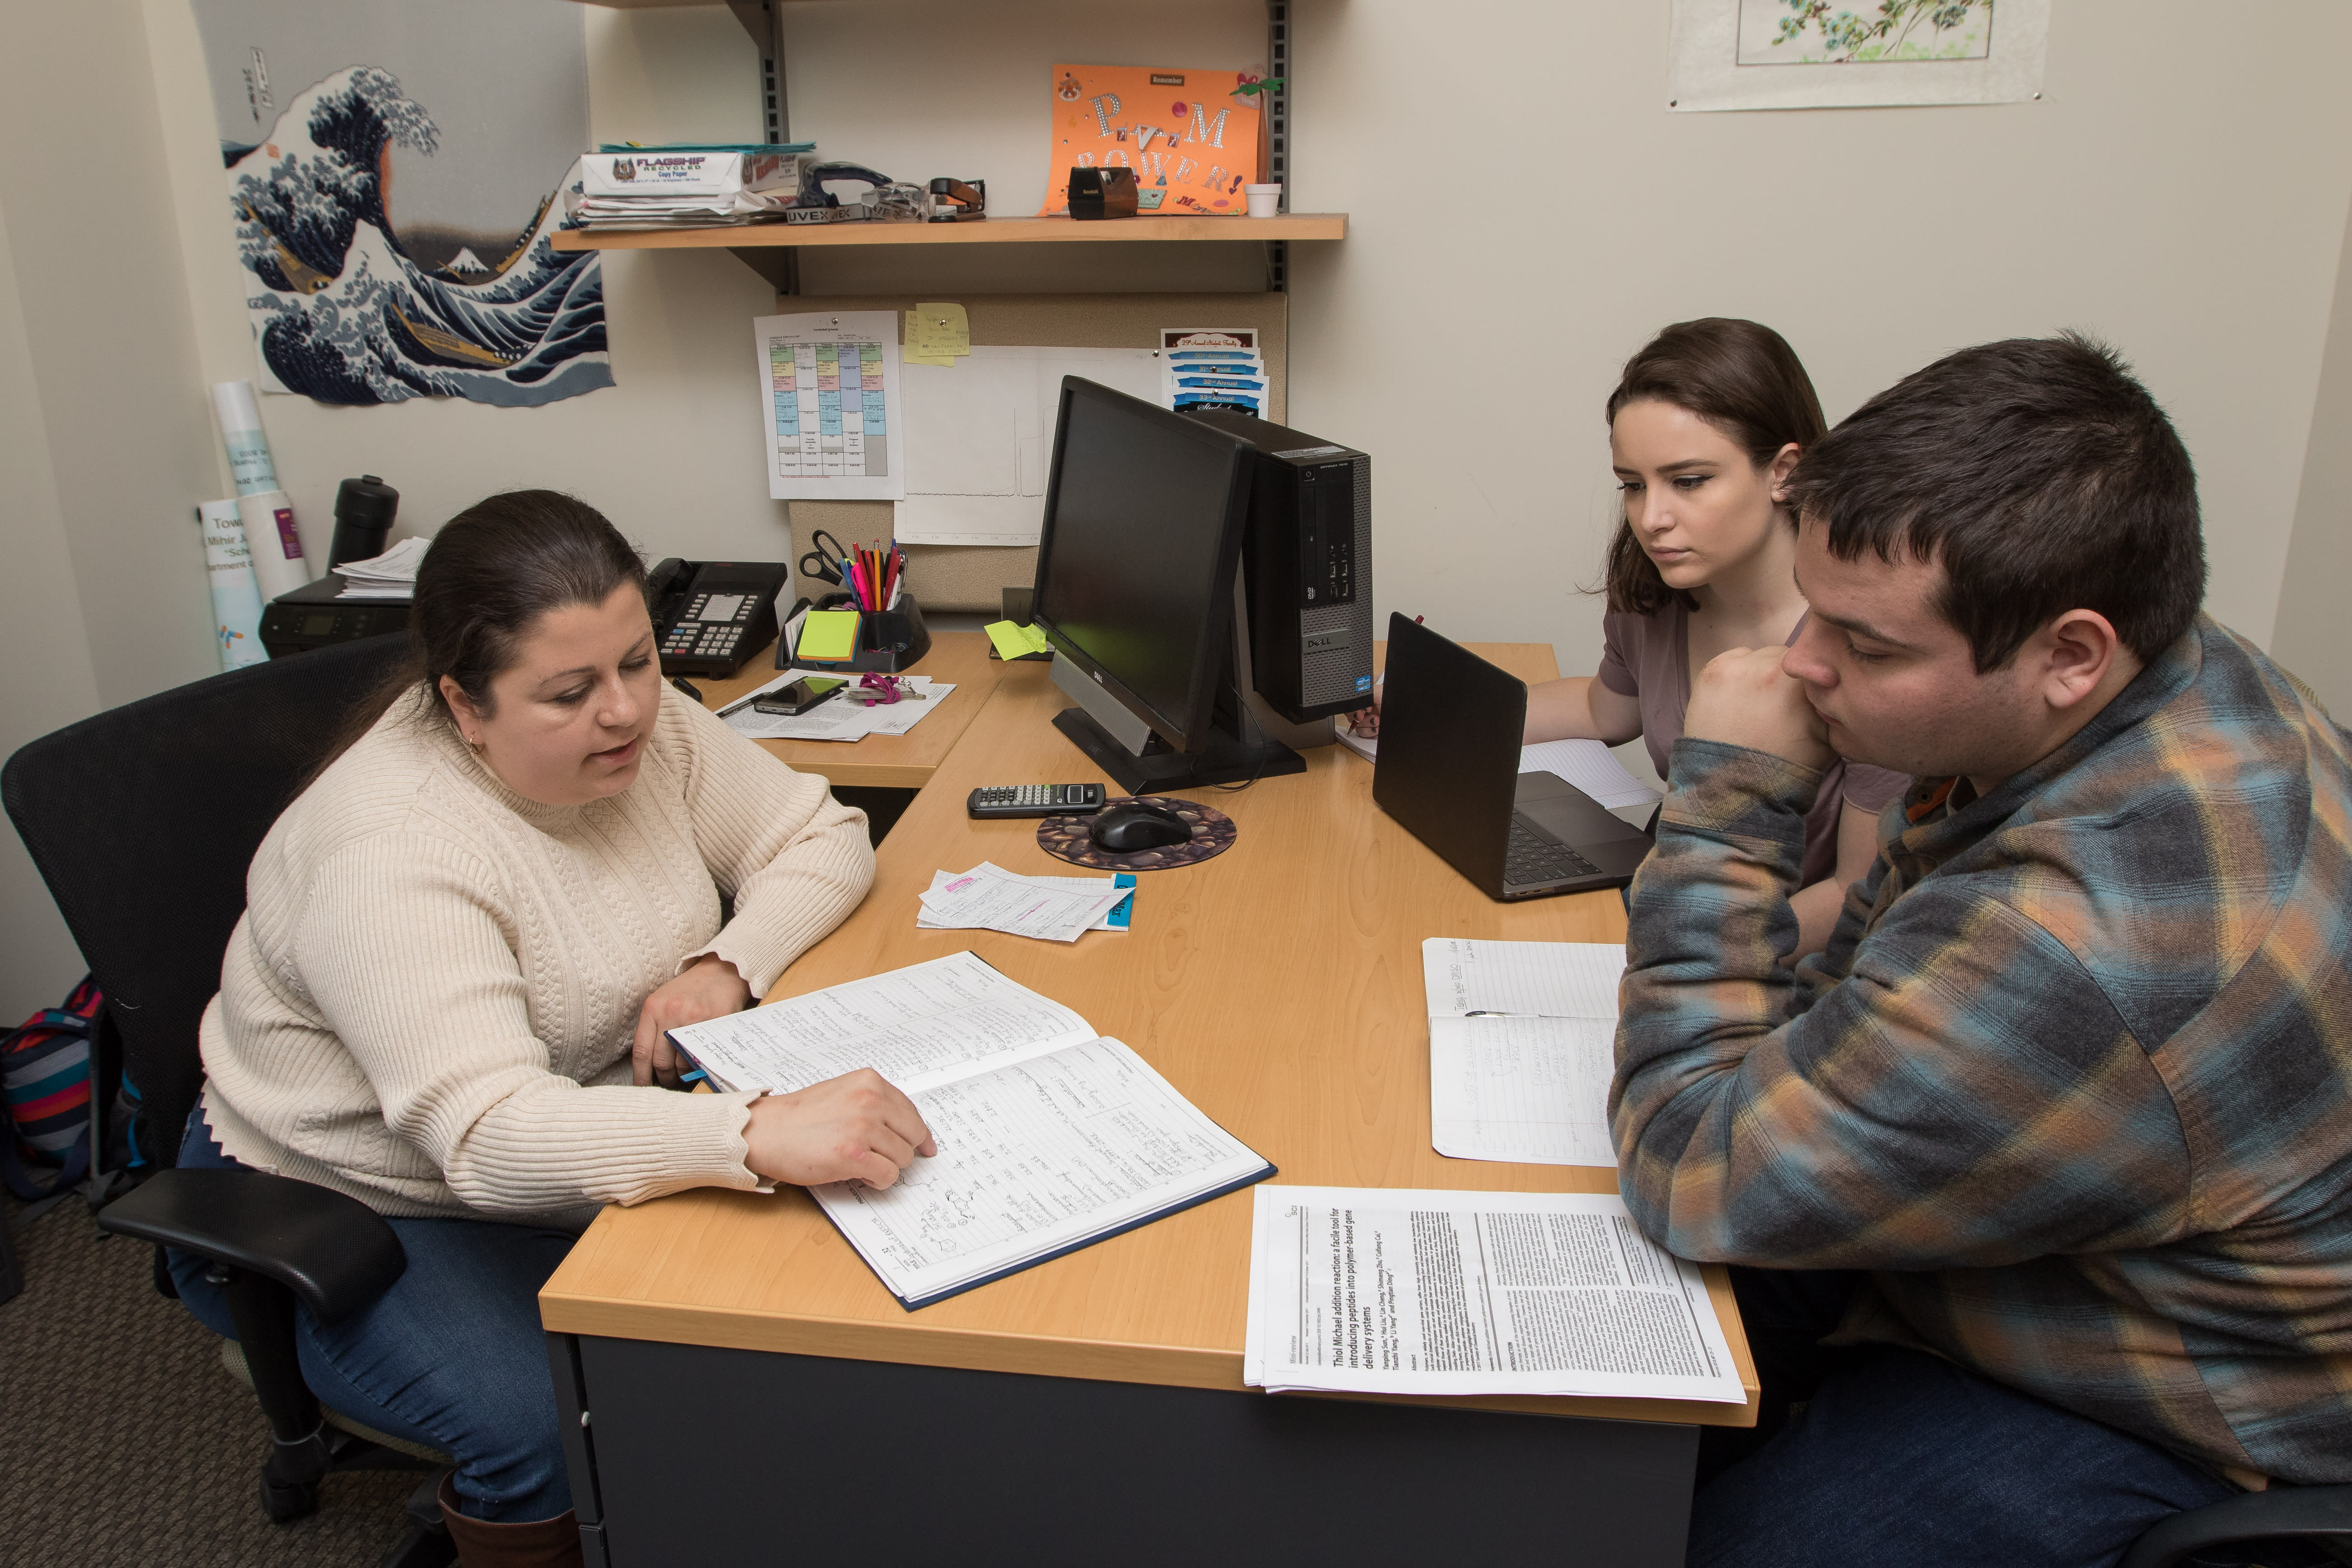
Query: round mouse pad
[[1064, 837]]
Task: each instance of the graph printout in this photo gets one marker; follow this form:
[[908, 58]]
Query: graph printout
[[829, 395]]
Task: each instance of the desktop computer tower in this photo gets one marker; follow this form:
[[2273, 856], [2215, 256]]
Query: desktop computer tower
[[1307, 569]]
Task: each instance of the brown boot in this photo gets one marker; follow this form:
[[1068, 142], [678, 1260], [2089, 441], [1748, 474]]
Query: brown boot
[[536, 1543]]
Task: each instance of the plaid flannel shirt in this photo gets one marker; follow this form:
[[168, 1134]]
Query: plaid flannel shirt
[[2074, 1078]]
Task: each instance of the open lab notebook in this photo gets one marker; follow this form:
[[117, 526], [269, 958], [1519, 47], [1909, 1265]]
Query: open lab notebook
[[1051, 1138]]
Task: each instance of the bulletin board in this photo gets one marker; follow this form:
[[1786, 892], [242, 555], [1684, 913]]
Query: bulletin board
[[964, 577]]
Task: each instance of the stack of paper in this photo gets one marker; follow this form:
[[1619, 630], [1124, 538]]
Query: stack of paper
[[1052, 908], [391, 575], [685, 186], [1049, 1138], [1522, 1044], [837, 718], [1213, 368], [1384, 1290]]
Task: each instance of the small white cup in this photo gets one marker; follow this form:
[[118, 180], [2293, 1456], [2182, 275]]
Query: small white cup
[[1263, 199]]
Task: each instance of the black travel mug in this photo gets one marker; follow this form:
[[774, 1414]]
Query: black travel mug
[[363, 514]]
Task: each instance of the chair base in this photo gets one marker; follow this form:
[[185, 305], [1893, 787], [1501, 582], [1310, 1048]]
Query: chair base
[[427, 1543]]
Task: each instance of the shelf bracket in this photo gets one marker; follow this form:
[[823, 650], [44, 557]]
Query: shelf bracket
[[1277, 135], [764, 20]]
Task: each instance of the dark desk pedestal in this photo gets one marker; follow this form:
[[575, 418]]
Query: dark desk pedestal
[[696, 1456]]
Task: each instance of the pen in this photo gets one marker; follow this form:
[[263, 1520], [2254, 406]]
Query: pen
[[686, 685]]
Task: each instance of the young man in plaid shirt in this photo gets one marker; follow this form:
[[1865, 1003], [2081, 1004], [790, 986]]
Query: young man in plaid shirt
[[2042, 1174]]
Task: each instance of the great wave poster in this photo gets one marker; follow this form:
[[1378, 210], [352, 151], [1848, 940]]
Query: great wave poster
[[394, 168]]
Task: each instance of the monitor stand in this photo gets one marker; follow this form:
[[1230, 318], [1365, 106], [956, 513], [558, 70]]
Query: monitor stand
[[1224, 759]]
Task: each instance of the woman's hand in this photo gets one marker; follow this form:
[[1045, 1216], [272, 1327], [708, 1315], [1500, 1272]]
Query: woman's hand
[[855, 1127], [710, 988], [1365, 722]]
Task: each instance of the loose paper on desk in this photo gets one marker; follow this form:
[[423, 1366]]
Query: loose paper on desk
[[937, 334], [830, 398], [1049, 1137], [1522, 1044], [1120, 916], [990, 898], [980, 437], [1390, 1290], [837, 719]]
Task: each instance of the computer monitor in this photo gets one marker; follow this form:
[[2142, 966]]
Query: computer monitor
[[1141, 537]]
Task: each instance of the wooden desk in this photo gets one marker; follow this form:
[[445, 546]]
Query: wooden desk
[[882, 762], [1279, 987]]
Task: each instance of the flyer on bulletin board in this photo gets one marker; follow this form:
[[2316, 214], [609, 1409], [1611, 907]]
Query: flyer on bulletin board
[[1193, 137]]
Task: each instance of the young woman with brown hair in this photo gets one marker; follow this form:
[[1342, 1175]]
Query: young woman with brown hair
[[1706, 424], [1705, 427]]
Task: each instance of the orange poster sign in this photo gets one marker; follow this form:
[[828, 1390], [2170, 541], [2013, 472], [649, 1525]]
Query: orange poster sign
[[1191, 137]]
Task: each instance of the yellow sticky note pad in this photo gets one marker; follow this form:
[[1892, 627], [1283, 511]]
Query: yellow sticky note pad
[[1015, 642], [828, 633], [937, 334]]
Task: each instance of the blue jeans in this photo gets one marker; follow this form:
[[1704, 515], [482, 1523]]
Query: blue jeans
[[451, 1356], [1898, 1456]]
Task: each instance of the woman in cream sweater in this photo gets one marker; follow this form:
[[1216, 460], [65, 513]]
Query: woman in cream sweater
[[461, 946]]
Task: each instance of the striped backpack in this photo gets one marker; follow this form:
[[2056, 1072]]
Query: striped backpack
[[45, 1075]]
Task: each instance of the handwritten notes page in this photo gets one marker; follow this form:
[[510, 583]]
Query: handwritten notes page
[[1386, 1290], [918, 1026], [1049, 1138], [837, 718], [1522, 1048], [1037, 1159]]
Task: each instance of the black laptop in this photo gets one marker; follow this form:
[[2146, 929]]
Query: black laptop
[[1448, 769]]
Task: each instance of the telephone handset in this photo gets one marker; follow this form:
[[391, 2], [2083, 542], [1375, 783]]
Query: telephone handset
[[711, 615]]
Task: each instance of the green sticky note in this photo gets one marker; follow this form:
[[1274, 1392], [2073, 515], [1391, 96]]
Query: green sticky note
[[1015, 642], [828, 633]]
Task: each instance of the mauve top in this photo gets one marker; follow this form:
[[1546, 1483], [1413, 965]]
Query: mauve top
[[1647, 658]]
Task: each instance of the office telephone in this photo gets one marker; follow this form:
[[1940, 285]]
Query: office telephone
[[711, 615]]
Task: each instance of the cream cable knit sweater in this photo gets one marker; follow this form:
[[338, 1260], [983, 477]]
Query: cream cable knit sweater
[[430, 1000]]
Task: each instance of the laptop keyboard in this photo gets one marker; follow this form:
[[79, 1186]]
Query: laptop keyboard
[[1531, 859]]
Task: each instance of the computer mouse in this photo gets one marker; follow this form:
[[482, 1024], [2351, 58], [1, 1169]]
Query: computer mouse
[[1136, 825]]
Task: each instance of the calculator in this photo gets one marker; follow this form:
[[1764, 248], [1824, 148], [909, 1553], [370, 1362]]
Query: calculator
[[1035, 800]]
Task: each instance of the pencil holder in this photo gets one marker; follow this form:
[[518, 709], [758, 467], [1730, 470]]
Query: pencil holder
[[888, 641]]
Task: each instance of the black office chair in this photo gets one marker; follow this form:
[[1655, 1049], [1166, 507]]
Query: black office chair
[[144, 821], [2321, 1516]]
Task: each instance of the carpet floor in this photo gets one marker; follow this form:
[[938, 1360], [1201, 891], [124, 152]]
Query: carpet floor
[[126, 1441]]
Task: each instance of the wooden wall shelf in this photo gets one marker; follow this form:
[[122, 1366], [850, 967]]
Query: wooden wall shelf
[[984, 231]]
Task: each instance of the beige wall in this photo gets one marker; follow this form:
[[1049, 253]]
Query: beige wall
[[2180, 190], [105, 445], [1525, 212], [2311, 636]]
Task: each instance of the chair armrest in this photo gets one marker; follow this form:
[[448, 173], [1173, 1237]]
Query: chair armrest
[[333, 1252], [2281, 1513]]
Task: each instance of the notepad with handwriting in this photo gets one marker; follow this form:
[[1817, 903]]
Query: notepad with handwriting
[[1051, 1138], [1522, 1044]]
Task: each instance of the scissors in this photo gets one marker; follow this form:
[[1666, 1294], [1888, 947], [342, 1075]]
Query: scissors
[[817, 563]]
